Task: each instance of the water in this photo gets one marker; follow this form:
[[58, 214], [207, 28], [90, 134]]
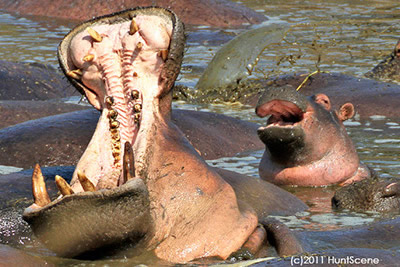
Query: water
[[344, 36]]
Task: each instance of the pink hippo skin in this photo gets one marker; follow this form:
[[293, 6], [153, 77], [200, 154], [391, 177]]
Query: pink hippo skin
[[306, 142], [126, 64]]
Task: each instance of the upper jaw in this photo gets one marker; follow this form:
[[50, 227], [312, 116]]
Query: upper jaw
[[125, 63]]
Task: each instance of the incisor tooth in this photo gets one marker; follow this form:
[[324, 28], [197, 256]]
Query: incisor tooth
[[39, 191], [128, 162], [114, 124], [133, 28], [63, 186], [95, 35], [85, 182], [139, 45], [109, 100], [88, 58]]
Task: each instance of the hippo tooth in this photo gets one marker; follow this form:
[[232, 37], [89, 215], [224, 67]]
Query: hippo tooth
[[138, 107], [128, 162], [133, 28], [76, 74], [139, 45], [109, 100], [135, 94], [112, 114], [88, 58], [136, 117], [114, 124], [63, 186], [135, 74], [95, 35], [163, 54], [85, 182], [39, 191]]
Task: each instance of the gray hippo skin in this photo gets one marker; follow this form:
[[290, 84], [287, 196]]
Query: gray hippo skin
[[374, 194]]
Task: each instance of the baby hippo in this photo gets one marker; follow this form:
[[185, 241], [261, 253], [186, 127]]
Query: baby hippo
[[306, 141]]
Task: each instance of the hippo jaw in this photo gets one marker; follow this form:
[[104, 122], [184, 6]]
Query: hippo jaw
[[125, 63]]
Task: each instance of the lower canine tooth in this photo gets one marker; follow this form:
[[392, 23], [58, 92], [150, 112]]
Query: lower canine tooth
[[139, 45], [63, 186], [128, 162], [39, 191], [85, 182]]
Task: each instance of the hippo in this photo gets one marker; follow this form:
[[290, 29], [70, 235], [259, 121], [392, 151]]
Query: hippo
[[216, 13], [374, 194], [306, 142], [389, 69], [139, 178]]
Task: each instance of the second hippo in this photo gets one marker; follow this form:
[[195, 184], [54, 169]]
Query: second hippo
[[306, 141]]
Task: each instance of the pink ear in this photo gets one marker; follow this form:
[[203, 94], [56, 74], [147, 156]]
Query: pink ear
[[346, 112], [323, 100]]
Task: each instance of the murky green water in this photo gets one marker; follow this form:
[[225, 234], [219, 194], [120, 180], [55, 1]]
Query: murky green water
[[344, 36]]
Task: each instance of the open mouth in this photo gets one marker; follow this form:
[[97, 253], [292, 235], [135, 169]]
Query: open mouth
[[119, 62], [282, 113], [125, 64]]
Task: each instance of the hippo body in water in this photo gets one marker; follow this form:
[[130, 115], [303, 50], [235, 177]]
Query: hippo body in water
[[306, 142], [389, 69], [137, 160]]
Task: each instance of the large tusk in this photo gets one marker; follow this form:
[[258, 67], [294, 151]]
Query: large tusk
[[39, 191], [63, 186], [128, 170], [85, 182]]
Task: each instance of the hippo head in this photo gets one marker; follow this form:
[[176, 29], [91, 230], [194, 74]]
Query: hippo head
[[389, 68], [139, 178], [306, 142], [374, 194]]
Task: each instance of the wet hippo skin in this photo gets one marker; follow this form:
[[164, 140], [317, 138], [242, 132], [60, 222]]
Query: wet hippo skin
[[126, 64], [218, 13], [32, 81], [369, 97], [61, 139]]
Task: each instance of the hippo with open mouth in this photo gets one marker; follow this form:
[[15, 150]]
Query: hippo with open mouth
[[306, 142], [139, 179]]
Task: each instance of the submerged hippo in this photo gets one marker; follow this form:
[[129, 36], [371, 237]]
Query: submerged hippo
[[139, 178], [306, 142], [374, 194], [389, 68]]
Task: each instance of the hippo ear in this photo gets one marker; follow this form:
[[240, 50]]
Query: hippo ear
[[346, 112], [323, 100]]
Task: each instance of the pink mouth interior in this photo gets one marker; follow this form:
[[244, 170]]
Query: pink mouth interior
[[121, 70], [282, 113]]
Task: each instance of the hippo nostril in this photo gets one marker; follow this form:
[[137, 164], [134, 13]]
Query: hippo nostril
[[335, 202]]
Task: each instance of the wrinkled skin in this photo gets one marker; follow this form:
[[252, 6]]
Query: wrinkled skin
[[374, 194], [306, 142], [189, 206], [389, 69]]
